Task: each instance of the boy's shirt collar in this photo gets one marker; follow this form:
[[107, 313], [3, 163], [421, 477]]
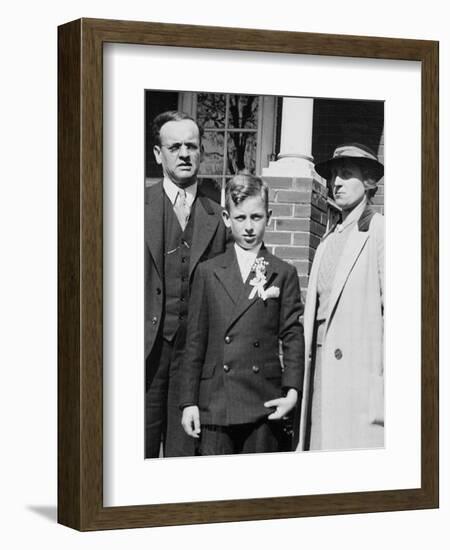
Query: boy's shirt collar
[[246, 259]]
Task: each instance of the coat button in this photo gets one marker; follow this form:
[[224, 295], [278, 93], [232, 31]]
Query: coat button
[[226, 368], [154, 320], [227, 339], [256, 343], [255, 369], [158, 291], [338, 353]]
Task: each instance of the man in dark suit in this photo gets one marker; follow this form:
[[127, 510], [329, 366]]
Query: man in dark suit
[[235, 391], [182, 228]]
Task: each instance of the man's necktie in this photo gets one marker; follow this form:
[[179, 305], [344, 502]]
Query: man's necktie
[[181, 208]]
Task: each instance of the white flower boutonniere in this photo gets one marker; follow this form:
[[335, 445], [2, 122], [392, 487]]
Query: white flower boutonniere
[[259, 280]]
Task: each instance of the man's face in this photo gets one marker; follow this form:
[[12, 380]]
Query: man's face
[[248, 221], [347, 185], [179, 152]]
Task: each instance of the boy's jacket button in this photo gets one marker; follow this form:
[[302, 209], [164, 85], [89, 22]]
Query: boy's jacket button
[[226, 368], [227, 339], [255, 368]]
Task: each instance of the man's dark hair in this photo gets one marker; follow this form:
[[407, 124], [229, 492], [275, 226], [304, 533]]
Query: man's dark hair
[[169, 116]]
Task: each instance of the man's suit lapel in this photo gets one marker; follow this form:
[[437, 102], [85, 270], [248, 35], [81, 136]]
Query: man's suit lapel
[[205, 226], [154, 212], [351, 252]]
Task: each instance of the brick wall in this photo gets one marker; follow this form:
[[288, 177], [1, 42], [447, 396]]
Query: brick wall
[[299, 217]]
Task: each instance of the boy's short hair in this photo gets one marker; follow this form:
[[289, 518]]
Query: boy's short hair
[[243, 185]]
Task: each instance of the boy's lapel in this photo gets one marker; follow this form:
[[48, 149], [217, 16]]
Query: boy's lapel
[[243, 301], [229, 275]]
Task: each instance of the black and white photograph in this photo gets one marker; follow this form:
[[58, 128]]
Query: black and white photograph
[[218, 328], [264, 274]]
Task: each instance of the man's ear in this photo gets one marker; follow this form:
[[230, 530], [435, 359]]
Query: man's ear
[[226, 218], [269, 215], [157, 153]]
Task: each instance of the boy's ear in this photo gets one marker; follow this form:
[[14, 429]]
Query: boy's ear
[[226, 218], [269, 215]]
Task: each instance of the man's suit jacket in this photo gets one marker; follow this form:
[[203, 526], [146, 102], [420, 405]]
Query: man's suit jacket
[[208, 240], [231, 362]]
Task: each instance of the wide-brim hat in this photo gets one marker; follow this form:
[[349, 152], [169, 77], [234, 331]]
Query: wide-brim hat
[[357, 153]]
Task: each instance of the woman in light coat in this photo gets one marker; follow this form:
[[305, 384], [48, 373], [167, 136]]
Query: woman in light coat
[[343, 405]]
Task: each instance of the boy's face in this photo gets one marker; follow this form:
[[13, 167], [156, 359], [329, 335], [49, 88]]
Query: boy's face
[[248, 221]]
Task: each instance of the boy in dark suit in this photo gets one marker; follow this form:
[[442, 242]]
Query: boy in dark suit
[[234, 390]]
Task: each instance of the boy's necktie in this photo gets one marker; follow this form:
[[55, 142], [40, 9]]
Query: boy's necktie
[[181, 208]]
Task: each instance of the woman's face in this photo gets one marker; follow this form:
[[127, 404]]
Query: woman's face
[[347, 185]]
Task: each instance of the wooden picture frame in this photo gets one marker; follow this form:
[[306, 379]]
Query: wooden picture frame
[[80, 272]]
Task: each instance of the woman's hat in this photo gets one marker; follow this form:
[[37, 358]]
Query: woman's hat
[[357, 153]]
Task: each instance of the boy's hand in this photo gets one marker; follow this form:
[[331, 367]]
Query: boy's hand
[[283, 404], [190, 421]]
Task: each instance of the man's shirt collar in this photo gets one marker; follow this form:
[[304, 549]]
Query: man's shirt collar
[[171, 191]]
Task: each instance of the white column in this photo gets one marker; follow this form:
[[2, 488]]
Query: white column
[[294, 159]]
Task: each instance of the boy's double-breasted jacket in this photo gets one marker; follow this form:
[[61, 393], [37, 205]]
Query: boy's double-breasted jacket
[[232, 363]]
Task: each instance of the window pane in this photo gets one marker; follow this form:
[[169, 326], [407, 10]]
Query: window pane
[[241, 152], [213, 146], [211, 110], [243, 111]]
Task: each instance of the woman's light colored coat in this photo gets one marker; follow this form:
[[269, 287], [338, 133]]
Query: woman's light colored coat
[[352, 385]]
